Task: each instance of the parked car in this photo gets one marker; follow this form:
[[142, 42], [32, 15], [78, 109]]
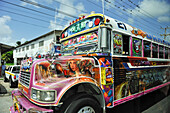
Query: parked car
[[11, 75]]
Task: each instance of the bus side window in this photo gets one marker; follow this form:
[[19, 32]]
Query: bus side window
[[125, 45], [166, 53], [154, 50], [161, 53], [136, 47], [117, 44], [147, 49]]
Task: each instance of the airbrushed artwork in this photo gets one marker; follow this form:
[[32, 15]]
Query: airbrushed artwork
[[117, 43], [50, 71], [137, 47], [130, 81]]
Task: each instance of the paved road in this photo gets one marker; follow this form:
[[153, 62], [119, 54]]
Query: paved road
[[5, 96], [155, 102]]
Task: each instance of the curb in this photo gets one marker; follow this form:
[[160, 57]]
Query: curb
[[6, 94]]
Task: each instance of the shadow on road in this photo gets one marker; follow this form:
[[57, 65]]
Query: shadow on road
[[2, 89]]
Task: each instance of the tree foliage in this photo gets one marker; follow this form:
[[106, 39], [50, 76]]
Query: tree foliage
[[8, 57]]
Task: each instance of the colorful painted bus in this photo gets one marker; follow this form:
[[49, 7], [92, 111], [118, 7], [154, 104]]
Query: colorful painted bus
[[104, 63]]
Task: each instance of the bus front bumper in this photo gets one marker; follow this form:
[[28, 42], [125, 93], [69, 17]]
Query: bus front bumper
[[23, 105]]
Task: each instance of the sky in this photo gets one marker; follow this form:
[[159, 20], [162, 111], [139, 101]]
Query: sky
[[24, 20]]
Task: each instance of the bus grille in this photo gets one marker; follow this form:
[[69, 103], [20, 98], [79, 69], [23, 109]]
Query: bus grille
[[25, 78]]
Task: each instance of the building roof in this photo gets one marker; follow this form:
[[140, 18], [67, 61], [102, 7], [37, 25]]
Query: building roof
[[5, 48], [51, 32]]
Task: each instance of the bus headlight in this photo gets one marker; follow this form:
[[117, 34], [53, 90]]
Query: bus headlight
[[46, 96]]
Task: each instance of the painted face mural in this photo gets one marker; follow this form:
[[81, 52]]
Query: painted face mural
[[46, 71]]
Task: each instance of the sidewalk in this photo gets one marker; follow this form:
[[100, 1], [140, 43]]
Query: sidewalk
[[5, 90]]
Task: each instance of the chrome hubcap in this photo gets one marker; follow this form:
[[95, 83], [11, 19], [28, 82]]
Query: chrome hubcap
[[86, 109]]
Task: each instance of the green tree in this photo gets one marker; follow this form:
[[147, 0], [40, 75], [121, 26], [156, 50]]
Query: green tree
[[18, 43], [8, 57]]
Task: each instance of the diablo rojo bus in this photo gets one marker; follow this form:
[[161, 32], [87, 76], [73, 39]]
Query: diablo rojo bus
[[104, 63]]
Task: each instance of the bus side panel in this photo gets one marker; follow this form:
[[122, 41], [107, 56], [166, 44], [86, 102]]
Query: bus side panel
[[106, 72], [130, 83]]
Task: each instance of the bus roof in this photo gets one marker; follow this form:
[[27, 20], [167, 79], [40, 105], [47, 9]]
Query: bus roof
[[117, 26]]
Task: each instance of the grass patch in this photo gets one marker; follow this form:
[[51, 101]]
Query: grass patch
[[9, 64]]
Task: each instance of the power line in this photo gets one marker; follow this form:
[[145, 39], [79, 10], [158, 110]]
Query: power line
[[32, 10], [137, 16], [128, 15], [70, 6], [13, 9], [149, 15], [23, 15], [109, 10], [29, 23], [49, 8]]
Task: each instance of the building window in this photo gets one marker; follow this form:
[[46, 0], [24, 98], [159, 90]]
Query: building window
[[19, 49], [147, 49], [27, 47], [154, 50], [161, 53], [41, 43], [23, 48], [16, 50], [32, 46]]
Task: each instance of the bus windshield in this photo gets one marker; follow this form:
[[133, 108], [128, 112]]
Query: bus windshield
[[76, 44]]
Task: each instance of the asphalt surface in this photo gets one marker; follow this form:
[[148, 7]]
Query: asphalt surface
[[155, 102]]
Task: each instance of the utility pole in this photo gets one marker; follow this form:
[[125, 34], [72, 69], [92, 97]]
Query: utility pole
[[165, 35]]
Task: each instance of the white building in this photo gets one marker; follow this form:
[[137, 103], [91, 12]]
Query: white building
[[40, 44]]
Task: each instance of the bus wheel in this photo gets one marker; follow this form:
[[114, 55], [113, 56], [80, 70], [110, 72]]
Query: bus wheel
[[81, 104]]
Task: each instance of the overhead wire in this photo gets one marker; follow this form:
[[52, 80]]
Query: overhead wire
[[70, 6], [119, 15], [32, 10], [27, 16], [148, 14], [25, 12], [35, 25], [137, 17], [49, 8]]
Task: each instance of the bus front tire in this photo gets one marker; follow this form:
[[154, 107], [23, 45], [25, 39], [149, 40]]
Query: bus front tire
[[80, 104]]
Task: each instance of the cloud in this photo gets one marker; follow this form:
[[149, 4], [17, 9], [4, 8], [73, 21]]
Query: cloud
[[5, 30], [23, 40], [154, 8], [164, 19], [34, 1], [74, 8], [130, 20]]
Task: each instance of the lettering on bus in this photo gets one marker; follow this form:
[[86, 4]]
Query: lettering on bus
[[121, 25], [78, 27], [82, 25]]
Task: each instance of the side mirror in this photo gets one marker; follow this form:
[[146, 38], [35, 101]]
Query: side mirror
[[104, 38]]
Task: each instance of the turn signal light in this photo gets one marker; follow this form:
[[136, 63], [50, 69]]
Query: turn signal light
[[97, 21]]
